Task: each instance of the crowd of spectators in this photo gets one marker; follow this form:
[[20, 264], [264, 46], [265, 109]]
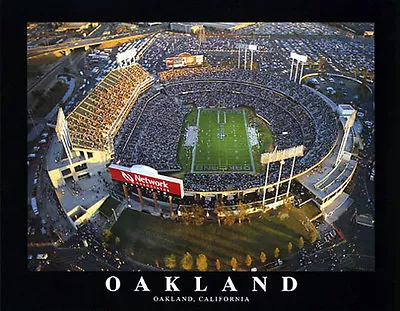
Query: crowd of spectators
[[151, 132], [184, 72], [92, 121], [272, 52], [302, 116]]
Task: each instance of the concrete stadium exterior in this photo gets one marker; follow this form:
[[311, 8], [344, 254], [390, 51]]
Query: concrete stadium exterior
[[321, 201], [98, 160]]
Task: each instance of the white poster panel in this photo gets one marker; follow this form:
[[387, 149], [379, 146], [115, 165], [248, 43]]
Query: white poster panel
[[300, 58], [282, 154]]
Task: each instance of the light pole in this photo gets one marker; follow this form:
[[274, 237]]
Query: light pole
[[239, 58], [245, 58], [115, 215]]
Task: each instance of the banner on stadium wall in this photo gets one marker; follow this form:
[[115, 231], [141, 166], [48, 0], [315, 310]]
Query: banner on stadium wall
[[145, 176], [184, 60]]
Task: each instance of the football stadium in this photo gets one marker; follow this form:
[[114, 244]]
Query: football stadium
[[196, 142], [207, 126]]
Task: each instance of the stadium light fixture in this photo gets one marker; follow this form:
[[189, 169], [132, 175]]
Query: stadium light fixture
[[281, 155]]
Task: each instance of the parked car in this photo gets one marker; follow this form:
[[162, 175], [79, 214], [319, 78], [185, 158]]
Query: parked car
[[42, 256]]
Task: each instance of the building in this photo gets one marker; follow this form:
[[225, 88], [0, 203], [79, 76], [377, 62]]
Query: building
[[345, 110], [365, 220], [184, 27], [77, 162], [86, 137]]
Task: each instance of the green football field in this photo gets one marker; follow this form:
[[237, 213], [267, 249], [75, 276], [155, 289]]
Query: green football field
[[222, 142]]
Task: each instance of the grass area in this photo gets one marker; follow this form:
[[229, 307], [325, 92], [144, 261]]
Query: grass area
[[152, 238], [36, 65], [265, 139], [109, 204], [222, 141], [48, 100], [209, 125], [310, 209], [185, 153]]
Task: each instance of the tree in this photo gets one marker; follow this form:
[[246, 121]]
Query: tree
[[248, 260], [107, 234], [321, 63], [276, 253], [201, 262], [186, 215], [289, 247], [217, 265], [242, 208], [198, 213], [263, 257], [248, 218], [157, 263], [233, 263], [301, 242], [117, 240], [170, 261], [187, 262], [230, 219], [218, 210], [313, 235]]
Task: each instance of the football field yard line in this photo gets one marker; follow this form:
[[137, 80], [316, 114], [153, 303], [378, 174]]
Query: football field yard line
[[220, 146], [194, 148], [248, 141]]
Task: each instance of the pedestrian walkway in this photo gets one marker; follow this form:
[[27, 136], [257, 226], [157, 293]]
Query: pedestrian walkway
[[338, 207]]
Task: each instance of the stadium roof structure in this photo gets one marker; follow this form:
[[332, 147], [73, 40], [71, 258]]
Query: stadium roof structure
[[347, 107], [95, 121], [144, 169]]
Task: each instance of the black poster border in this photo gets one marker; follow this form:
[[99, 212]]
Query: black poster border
[[22, 290]]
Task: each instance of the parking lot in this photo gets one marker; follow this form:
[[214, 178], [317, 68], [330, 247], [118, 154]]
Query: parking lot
[[343, 55]]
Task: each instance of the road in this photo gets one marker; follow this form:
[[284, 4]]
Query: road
[[74, 256], [81, 43], [71, 62]]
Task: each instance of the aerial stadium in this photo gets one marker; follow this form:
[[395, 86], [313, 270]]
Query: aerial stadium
[[207, 125], [196, 137]]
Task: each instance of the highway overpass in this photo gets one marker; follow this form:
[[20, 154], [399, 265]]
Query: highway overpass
[[67, 47]]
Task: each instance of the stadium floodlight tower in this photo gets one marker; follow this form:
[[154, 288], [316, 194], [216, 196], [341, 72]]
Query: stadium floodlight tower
[[299, 59], [241, 46], [63, 134], [252, 48], [246, 47], [281, 155]]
